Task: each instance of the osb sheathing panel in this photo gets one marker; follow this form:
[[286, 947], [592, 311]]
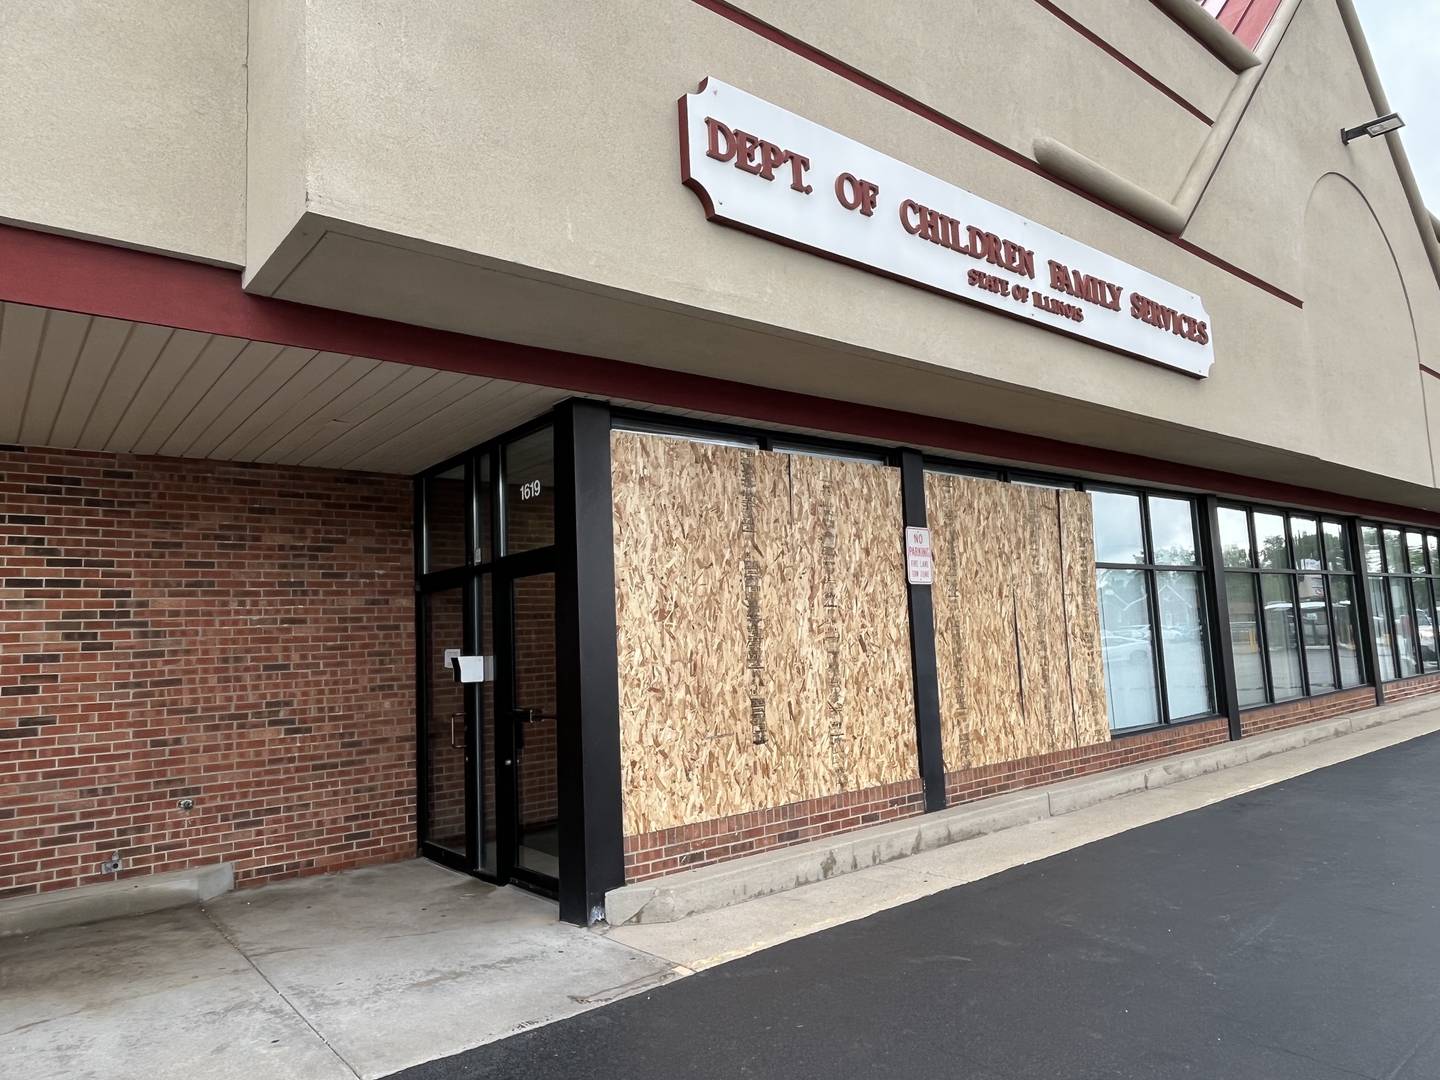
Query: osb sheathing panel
[[762, 628], [1016, 620]]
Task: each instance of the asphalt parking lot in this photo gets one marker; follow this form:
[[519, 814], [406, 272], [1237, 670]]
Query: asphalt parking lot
[[1291, 932]]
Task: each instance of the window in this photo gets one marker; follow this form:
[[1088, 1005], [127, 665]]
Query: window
[[528, 496], [447, 502], [1402, 569], [1154, 635], [1291, 593]]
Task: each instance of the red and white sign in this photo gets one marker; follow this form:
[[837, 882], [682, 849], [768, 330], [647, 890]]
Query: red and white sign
[[919, 566], [763, 169]]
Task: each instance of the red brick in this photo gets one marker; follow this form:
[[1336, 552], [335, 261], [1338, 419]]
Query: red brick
[[238, 634]]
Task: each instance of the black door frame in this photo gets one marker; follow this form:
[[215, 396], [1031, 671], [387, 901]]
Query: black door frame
[[509, 570], [469, 861], [587, 686]]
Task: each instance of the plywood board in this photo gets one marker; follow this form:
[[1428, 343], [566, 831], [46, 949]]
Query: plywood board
[[762, 628], [1016, 621], [1082, 614]]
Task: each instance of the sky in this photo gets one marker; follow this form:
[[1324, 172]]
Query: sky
[[1404, 41]]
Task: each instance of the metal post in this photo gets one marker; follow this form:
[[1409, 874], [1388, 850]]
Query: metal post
[[922, 642], [592, 854], [1219, 612]]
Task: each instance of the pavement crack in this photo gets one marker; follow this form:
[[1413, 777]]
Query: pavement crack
[[36, 1023], [225, 934], [1262, 1044], [1420, 1044]]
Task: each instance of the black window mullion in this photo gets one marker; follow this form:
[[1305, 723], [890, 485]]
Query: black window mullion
[[1328, 579], [1396, 616], [1257, 593], [1152, 583], [471, 474], [1305, 688], [1390, 617], [1369, 657]]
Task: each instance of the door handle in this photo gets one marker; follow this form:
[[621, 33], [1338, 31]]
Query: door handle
[[453, 743], [533, 716]]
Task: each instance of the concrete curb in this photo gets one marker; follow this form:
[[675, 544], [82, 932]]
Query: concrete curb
[[112, 899], [690, 892]]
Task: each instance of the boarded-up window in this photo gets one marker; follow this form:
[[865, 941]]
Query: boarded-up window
[[1016, 624], [762, 625]]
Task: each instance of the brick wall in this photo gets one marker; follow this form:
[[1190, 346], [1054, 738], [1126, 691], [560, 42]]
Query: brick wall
[[1413, 687], [1304, 710], [689, 846], [686, 846], [965, 785], [239, 635]]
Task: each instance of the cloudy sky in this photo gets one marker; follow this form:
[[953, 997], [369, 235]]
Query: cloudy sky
[[1403, 39]]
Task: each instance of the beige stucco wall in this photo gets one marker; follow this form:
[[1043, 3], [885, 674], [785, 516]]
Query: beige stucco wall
[[510, 170], [515, 175], [124, 120]]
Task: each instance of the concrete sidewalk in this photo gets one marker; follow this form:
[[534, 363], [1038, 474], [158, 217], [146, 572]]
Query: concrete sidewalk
[[352, 975], [368, 972]]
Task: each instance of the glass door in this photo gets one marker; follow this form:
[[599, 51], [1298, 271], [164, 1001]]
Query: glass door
[[448, 734], [488, 750], [527, 708]]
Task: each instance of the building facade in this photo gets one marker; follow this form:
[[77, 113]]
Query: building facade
[[580, 443]]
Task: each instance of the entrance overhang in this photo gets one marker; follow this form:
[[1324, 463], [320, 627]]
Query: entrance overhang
[[40, 270]]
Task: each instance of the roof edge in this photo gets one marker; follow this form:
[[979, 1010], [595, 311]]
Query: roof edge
[[1425, 221]]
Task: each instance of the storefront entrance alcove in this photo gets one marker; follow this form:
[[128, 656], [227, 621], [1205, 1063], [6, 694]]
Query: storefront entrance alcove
[[503, 763]]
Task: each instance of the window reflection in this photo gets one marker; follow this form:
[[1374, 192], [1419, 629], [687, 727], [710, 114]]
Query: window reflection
[[1183, 639], [1245, 639], [1407, 650], [1424, 623], [1402, 591], [1172, 531], [1395, 562], [1235, 536], [1370, 548], [1381, 626], [1282, 640], [1415, 547], [1315, 636], [1337, 551], [1128, 648], [1270, 547], [1306, 636], [446, 504], [1347, 638], [1307, 543], [1118, 538], [1152, 619]]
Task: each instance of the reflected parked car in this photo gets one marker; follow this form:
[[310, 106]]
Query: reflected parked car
[[1128, 645]]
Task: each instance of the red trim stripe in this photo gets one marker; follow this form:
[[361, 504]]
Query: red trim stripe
[[1256, 21], [898, 97], [1231, 14], [1115, 54], [96, 279]]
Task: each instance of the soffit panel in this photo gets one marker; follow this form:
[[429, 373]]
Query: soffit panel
[[79, 382]]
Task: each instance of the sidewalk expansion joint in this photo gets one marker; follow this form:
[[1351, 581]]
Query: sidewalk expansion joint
[[225, 934]]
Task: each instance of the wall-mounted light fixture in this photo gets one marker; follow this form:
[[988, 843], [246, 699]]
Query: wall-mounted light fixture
[[1379, 126]]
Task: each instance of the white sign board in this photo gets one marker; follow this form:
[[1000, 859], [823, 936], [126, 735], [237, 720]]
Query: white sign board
[[469, 669], [763, 169], [919, 565]]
